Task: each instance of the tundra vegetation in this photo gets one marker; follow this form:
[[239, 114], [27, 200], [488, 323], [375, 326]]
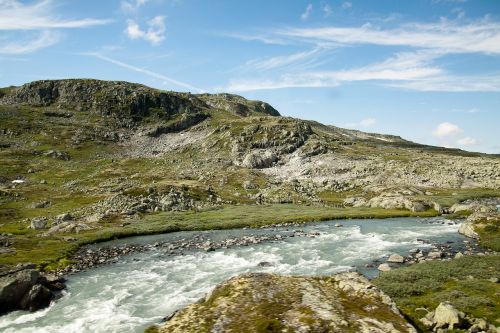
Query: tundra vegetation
[[86, 160]]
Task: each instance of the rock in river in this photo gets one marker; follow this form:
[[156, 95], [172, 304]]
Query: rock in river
[[345, 302]]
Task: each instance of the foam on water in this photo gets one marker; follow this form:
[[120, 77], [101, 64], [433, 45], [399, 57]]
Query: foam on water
[[142, 288]]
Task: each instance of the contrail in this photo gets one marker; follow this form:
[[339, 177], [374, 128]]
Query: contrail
[[146, 72]]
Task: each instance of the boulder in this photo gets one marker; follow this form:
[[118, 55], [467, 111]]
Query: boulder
[[38, 224], [435, 255], [467, 229], [14, 287], [37, 298], [248, 185], [259, 159], [396, 258], [446, 316], [384, 267]]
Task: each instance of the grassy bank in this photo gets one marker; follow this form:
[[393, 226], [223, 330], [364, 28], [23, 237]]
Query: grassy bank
[[469, 283], [463, 282], [51, 252]]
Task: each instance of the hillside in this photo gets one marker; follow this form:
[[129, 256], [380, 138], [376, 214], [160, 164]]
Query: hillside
[[85, 156]]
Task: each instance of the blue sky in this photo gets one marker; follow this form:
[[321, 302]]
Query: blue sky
[[426, 70]]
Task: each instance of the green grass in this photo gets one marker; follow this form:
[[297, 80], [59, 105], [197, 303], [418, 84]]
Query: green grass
[[448, 197], [463, 282]]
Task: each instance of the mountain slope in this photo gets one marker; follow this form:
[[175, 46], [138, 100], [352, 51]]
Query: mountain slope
[[107, 154]]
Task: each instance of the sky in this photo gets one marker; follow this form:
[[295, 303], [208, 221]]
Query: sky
[[427, 70]]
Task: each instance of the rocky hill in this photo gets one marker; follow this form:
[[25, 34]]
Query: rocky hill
[[80, 156]]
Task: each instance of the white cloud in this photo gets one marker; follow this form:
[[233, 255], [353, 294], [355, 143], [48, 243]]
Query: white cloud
[[327, 10], [44, 39], [257, 37], [149, 73], [20, 18], [481, 36], [132, 5], [280, 61], [402, 67], [467, 141], [347, 5], [364, 123], [415, 70], [305, 15], [454, 83], [368, 122], [446, 129], [39, 15], [473, 110], [155, 33]]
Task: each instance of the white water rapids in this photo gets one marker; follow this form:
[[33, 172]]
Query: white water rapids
[[142, 288]]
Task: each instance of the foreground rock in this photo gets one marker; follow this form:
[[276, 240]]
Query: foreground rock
[[446, 317], [271, 303], [26, 288]]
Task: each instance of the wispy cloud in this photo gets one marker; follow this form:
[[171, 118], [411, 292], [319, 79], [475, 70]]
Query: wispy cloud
[[453, 83], [305, 15], [467, 141], [132, 5], [154, 34], [19, 18], [347, 5], [364, 123], [402, 67], [480, 37], [368, 122], [413, 70], [44, 39], [327, 10], [271, 40], [16, 16], [163, 78], [281, 61]]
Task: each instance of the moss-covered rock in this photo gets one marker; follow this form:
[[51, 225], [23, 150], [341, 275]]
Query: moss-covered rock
[[272, 303]]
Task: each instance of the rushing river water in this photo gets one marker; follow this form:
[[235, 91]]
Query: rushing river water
[[142, 288]]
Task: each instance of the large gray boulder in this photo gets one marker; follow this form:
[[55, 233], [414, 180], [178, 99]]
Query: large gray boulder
[[14, 287], [259, 160], [26, 288], [396, 258], [446, 316], [467, 229]]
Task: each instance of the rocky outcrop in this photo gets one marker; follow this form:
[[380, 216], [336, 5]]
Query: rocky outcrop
[[259, 159], [26, 288], [124, 99], [271, 303], [237, 104]]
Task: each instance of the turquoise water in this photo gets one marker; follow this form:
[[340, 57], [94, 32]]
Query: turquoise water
[[142, 288]]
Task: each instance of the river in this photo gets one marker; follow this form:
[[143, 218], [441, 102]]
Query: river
[[142, 288]]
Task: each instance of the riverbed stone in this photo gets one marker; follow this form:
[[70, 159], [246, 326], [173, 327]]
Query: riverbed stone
[[384, 267], [396, 258]]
